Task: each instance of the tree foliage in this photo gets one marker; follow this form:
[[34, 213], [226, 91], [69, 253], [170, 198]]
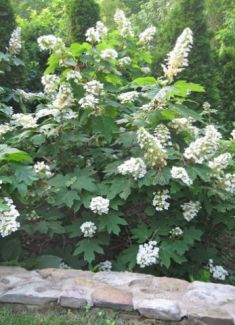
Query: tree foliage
[[7, 23], [81, 15]]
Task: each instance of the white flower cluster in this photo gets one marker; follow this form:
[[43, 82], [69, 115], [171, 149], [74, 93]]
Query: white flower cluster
[[43, 169], [184, 124], [64, 98], [124, 24], [203, 147], [126, 60], [8, 223], [4, 128], [181, 173], [154, 153], [177, 59], [147, 35], [206, 107], [105, 266], [160, 200], [50, 43], [27, 121], [95, 35], [89, 101], [190, 209], [145, 70], [128, 97], [221, 162], [94, 89], [15, 42], [217, 271], [74, 75], [47, 111], [99, 205], [227, 182], [109, 54], [163, 134], [88, 229], [134, 166], [148, 254], [176, 232], [51, 83]]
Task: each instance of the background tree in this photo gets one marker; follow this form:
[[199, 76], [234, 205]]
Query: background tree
[[81, 15], [7, 23]]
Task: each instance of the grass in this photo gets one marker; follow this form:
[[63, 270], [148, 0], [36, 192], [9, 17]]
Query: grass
[[94, 316]]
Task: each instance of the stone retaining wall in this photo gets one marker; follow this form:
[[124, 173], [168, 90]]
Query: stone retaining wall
[[153, 297]]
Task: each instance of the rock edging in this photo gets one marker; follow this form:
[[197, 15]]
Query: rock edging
[[153, 297]]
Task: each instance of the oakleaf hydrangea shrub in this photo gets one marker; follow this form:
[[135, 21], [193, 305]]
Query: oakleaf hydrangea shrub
[[125, 174]]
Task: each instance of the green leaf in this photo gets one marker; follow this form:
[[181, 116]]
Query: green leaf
[[111, 223], [89, 247], [84, 182], [44, 261], [11, 249], [120, 186], [24, 174], [105, 126], [142, 233], [13, 154], [184, 87], [146, 81], [67, 198], [78, 49], [127, 258]]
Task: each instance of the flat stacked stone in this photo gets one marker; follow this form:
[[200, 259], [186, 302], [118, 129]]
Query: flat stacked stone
[[153, 297]]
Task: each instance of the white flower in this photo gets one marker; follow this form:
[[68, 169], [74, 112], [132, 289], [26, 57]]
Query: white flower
[[184, 124], [105, 266], [41, 168], [15, 42], [203, 147], [124, 24], [221, 162], [227, 182], [89, 101], [109, 54], [217, 271], [177, 59], [101, 29], [92, 35], [27, 121], [233, 134], [154, 153], [190, 209], [99, 205], [29, 96], [51, 83], [8, 223], [88, 229], [181, 173], [4, 128], [160, 200], [148, 254], [47, 111], [145, 70], [176, 232], [128, 97], [163, 134], [51, 43], [126, 60], [94, 87], [147, 35], [74, 75], [95, 35], [64, 98], [134, 167]]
